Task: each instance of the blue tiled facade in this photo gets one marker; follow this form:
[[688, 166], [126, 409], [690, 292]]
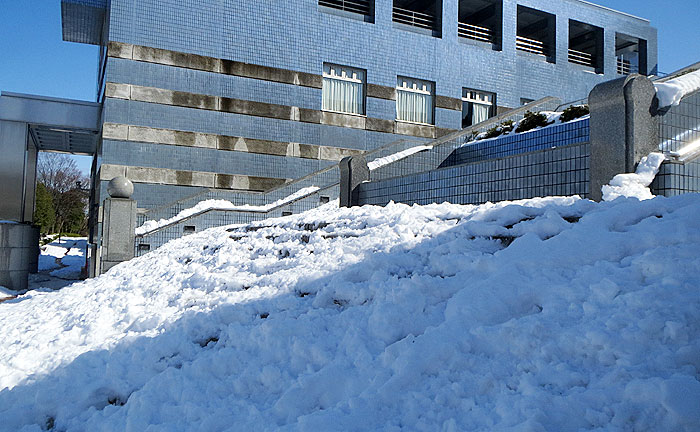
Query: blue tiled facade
[[552, 172], [301, 36], [573, 132]]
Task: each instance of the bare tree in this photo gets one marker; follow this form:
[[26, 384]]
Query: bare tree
[[63, 180], [58, 172]]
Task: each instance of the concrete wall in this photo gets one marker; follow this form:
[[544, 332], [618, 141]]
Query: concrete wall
[[13, 173], [18, 254], [551, 172]]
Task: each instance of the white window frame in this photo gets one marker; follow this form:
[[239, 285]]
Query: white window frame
[[480, 97], [332, 71], [418, 86]]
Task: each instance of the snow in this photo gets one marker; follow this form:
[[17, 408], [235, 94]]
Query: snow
[[203, 206], [549, 314], [553, 119], [672, 91], [63, 258], [635, 185], [5, 292], [386, 160]]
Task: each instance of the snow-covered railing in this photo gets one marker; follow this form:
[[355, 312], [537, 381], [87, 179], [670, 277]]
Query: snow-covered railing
[[150, 227], [670, 92]]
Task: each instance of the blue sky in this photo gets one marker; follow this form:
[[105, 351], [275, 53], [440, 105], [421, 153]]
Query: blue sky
[[34, 59]]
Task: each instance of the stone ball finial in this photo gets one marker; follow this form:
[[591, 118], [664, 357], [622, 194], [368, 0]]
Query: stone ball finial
[[120, 187]]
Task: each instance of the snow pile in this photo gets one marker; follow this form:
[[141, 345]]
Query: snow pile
[[554, 314], [671, 92], [635, 185], [386, 160], [208, 205]]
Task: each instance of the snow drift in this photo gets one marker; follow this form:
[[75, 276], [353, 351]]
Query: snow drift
[[673, 91], [553, 314]]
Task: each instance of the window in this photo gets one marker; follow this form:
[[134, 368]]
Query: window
[[286, 213], [419, 15], [343, 89], [324, 200], [586, 45], [414, 100], [359, 8], [631, 53], [477, 106], [189, 229], [525, 101], [481, 20], [536, 33]]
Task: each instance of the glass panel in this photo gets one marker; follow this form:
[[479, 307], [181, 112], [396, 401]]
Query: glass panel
[[343, 89], [414, 100], [481, 113], [342, 96]]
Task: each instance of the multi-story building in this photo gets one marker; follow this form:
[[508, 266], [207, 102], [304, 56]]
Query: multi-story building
[[247, 95]]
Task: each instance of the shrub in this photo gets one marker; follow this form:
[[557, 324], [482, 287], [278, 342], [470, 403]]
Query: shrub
[[499, 130], [493, 132], [574, 112], [532, 121]]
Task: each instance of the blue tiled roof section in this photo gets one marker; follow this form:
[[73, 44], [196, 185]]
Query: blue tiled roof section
[[83, 20], [573, 132]]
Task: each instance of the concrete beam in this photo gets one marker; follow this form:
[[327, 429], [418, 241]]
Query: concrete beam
[[46, 111]]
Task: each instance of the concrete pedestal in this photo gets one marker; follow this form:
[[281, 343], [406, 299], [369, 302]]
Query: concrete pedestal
[[118, 226], [624, 128], [353, 171], [18, 254]]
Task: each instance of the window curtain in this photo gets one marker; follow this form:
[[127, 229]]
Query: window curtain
[[414, 107], [342, 96], [480, 113]]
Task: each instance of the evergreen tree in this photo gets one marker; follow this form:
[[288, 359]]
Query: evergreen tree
[[44, 214], [62, 179]]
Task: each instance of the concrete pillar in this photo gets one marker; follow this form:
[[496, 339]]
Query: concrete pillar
[[34, 249], [118, 224], [16, 250], [353, 171], [623, 128], [13, 181]]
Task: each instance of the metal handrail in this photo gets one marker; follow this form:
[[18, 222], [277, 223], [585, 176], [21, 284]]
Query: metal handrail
[[471, 31], [625, 67], [531, 45], [356, 6], [240, 210], [581, 58], [413, 18]]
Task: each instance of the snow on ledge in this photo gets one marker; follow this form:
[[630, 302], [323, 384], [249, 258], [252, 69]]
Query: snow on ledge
[[671, 92], [202, 206], [635, 185], [386, 160]]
